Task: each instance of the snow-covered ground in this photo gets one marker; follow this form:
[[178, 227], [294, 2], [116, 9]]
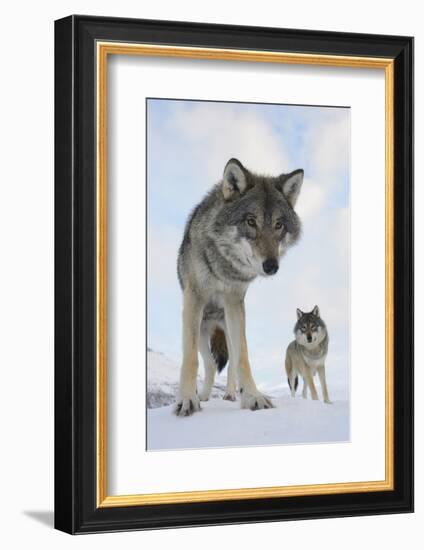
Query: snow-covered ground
[[223, 424], [162, 380]]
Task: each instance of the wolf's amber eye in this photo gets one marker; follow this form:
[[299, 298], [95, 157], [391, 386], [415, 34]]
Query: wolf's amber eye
[[278, 225], [251, 222]]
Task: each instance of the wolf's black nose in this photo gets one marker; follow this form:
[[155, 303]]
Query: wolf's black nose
[[270, 266], [309, 338]]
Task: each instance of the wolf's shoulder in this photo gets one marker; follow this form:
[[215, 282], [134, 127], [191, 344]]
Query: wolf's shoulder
[[291, 347], [211, 200], [199, 215]]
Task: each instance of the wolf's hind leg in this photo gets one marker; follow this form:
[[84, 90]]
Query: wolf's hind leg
[[305, 389], [188, 400], [208, 363], [230, 392], [309, 380], [235, 317]]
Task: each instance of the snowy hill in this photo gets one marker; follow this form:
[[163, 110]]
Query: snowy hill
[[223, 424], [162, 380]]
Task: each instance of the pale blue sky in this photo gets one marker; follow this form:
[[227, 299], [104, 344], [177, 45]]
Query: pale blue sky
[[188, 144]]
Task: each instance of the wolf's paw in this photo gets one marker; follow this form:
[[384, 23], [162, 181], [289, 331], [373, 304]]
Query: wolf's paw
[[328, 402], [187, 406], [255, 401], [229, 396]]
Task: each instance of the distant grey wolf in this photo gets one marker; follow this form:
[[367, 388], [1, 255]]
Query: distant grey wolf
[[240, 230], [307, 354]]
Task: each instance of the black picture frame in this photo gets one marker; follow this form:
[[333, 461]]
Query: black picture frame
[[76, 509]]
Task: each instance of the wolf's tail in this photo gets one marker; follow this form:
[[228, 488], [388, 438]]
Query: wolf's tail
[[219, 349], [296, 382]]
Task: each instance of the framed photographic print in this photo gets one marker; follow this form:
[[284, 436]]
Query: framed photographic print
[[234, 274]]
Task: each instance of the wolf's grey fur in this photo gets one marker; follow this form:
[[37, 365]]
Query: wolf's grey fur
[[307, 354], [240, 230]]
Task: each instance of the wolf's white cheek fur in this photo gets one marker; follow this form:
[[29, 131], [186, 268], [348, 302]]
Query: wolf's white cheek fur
[[247, 249], [299, 337], [249, 255], [316, 335], [320, 335], [284, 244]]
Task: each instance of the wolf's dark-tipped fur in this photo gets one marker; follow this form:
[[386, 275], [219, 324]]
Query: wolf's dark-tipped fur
[[215, 217], [239, 231], [296, 383], [219, 350], [307, 354], [308, 323], [218, 224]]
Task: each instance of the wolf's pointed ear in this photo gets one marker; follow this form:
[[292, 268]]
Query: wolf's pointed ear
[[234, 181], [315, 311], [290, 185], [299, 313]]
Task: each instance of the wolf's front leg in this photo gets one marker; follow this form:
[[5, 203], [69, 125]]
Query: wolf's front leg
[[188, 400], [235, 317], [230, 392], [323, 382], [309, 380], [208, 363]]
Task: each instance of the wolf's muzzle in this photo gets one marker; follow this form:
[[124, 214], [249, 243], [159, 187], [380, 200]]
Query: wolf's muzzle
[[270, 266]]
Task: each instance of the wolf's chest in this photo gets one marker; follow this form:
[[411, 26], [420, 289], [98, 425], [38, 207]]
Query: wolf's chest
[[314, 364]]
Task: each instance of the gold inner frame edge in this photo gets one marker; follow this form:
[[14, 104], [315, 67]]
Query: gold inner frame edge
[[103, 49]]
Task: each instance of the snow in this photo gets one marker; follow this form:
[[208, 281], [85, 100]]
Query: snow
[[162, 380], [222, 423]]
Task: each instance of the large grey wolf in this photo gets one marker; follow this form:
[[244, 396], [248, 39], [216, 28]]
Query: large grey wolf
[[240, 230], [307, 354]]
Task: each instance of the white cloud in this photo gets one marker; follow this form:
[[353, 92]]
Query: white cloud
[[215, 132], [329, 143], [326, 147], [163, 244], [311, 198]]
